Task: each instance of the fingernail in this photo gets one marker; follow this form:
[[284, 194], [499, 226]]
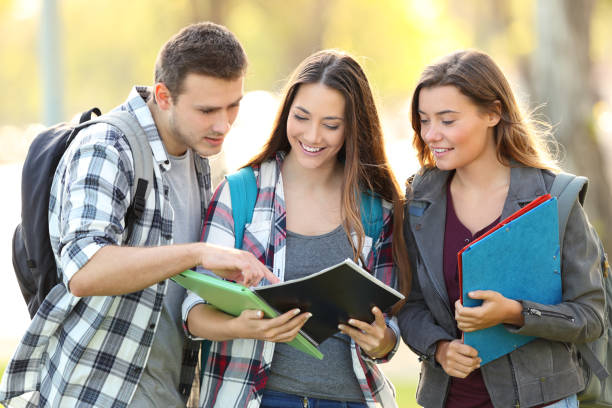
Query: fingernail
[[260, 314], [296, 311], [351, 321], [340, 327], [308, 316]]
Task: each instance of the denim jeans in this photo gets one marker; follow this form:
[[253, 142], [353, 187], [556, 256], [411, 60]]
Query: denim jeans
[[569, 402], [276, 399]]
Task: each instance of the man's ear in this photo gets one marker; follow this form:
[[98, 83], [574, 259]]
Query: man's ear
[[162, 96]]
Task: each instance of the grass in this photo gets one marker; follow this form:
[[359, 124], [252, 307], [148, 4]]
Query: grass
[[405, 390]]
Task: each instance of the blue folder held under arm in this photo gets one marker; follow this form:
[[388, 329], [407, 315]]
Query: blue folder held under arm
[[519, 258]]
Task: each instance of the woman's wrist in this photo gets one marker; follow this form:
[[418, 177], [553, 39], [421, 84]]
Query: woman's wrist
[[514, 315], [441, 348], [387, 345]]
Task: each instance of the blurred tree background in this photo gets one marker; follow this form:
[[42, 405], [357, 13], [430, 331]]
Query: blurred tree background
[[556, 53]]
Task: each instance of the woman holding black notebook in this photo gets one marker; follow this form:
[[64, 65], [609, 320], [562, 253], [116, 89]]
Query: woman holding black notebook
[[325, 150], [481, 162]]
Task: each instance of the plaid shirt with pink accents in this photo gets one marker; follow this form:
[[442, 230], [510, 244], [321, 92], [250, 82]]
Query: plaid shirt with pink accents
[[236, 371]]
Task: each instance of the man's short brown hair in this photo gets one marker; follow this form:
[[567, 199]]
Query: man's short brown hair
[[202, 48]]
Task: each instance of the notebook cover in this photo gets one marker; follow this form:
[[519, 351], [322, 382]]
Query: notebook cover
[[333, 296], [518, 258]]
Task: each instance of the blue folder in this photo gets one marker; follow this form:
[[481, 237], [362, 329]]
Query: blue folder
[[520, 259]]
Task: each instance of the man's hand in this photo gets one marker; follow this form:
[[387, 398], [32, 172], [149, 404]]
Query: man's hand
[[495, 309], [376, 339], [457, 359], [235, 264]]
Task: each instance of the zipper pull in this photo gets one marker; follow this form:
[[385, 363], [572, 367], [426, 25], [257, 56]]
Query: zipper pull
[[534, 312]]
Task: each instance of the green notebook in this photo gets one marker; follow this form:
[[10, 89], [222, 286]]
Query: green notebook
[[233, 298]]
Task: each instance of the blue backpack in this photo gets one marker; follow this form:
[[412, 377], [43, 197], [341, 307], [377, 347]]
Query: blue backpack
[[243, 193]]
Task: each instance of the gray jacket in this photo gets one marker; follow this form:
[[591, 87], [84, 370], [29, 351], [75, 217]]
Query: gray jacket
[[543, 370]]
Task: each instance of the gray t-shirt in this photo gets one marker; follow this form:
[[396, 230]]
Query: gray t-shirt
[[298, 373], [159, 384]]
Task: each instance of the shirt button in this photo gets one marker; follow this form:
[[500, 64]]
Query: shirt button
[[467, 240], [417, 227]]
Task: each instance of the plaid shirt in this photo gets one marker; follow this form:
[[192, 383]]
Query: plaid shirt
[[236, 371], [91, 351]]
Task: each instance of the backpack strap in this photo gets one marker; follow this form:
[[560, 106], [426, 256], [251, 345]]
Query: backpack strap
[[567, 188], [371, 215], [370, 208], [86, 116], [141, 155], [243, 193]]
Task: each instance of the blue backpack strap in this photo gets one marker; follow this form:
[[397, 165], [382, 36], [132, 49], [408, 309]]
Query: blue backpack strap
[[243, 193], [371, 216]]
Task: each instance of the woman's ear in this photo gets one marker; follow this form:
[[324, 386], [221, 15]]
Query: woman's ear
[[494, 115]]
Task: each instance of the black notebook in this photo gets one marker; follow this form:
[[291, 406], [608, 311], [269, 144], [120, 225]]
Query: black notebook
[[333, 296]]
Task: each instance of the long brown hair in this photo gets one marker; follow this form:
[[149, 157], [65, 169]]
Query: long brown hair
[[366, 167], [517, 136]]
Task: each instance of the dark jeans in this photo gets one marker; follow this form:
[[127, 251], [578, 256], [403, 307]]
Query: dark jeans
[[276, 399]]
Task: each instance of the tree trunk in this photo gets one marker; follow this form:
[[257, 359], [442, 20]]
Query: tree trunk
[[562, 81]]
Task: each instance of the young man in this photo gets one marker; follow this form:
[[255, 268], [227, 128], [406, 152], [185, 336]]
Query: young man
[[111, 335]]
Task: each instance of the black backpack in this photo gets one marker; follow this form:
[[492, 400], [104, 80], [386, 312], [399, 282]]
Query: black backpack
[[33, 258], [596, 356]]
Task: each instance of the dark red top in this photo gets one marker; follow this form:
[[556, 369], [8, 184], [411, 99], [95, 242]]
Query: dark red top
[[469, 392]]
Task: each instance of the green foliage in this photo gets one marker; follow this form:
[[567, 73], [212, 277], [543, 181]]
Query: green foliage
[[600, 30], [20, 97], [107, 47]]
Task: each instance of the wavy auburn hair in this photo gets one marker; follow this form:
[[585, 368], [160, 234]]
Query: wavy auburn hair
[[477, 76], [366, 167]]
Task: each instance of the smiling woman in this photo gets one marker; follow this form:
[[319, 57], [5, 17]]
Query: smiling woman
[[324, 155], [458, 132], [481, 162], [315, 127]]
